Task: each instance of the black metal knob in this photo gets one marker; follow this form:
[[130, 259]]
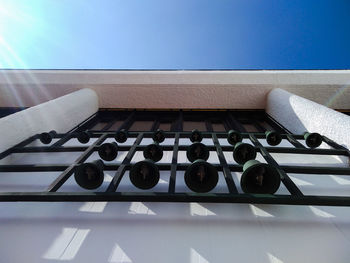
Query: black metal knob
[[259, 178], [158, 136], [201, 176], [46, 137], [89, 175], [197, 151], [108, 151], [144, 174], [153, 152], [196, 136], [313, 140], [273, 138], [243, 152], [121, 136], [234, 137], [84, 136]]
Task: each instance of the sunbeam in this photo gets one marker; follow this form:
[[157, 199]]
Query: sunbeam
[[9, 55], [336, 95], [16, 19]]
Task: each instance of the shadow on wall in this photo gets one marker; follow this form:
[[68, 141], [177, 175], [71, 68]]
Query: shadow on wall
[[280, 108], [298, 115], [176, 232]]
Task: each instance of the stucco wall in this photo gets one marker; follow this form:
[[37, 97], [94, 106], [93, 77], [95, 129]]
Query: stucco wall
[[173, 232], [175, 89]]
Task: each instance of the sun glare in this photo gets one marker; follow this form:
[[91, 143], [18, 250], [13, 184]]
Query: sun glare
[[20, 27]]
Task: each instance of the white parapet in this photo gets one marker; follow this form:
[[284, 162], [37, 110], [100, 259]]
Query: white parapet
[[61, 115], [179, 89], [298, 115]]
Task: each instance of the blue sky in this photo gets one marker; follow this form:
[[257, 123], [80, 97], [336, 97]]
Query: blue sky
[[181, 34]]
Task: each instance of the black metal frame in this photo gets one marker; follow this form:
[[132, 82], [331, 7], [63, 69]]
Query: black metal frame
[[229, 119]]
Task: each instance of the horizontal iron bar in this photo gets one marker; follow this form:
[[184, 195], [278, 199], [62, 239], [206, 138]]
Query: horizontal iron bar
[[33, 167], [294, 142], [63, 177], [176, 197], [226, 148], [316, 170], [186, 134], [179, 167], [289, 183], [19, 145]]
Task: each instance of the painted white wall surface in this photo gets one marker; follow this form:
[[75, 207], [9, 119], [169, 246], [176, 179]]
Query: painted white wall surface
[[173, 232]]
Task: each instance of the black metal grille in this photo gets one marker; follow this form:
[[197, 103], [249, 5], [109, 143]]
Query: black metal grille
[[176, 125]]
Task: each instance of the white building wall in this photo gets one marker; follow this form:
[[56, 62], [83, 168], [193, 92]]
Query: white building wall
[[172, 232]]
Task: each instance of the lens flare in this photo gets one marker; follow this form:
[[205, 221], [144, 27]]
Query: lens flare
[[336, 95], [21, 27]]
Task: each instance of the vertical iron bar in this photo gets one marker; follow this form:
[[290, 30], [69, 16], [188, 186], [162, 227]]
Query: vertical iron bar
[[208, 126], [258, 126], [21, 144], [181, 121], [226, 170], [60, 180], [112, 187], [87, 124], [128, 121], [275, 125], [155, 125], [172, 180], [177, 125], [235, 124], [109, 124], [290, 185], [333, 144], [293, 141], [63, 140], [226, 124]]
